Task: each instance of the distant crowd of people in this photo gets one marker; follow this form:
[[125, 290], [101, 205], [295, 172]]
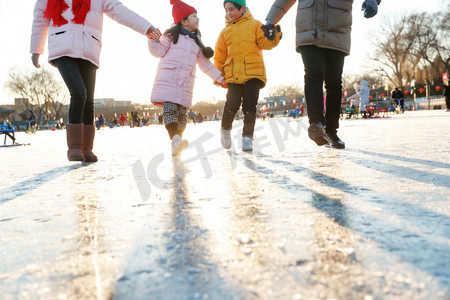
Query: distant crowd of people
[[133, 119]]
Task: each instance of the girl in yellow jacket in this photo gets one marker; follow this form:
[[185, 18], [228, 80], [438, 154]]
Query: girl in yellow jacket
[[238, 55]]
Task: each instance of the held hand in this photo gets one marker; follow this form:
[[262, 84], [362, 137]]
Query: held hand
[[152, 28], [154, 34], [222, 83], [268, 30], [35, 60], [370, 8], [278, 29]]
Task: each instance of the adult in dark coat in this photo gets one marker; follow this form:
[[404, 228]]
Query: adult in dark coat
[[398, 97], [323, 30]]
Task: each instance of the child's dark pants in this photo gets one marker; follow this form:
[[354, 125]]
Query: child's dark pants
[[246, 94]]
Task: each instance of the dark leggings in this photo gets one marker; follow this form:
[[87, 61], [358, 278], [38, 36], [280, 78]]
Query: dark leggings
[[246, 94], [79, 76], [323, 65]]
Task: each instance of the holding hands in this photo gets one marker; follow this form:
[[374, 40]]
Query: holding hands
[[370, 8], [153, 33], [222, 83], [270, 29]]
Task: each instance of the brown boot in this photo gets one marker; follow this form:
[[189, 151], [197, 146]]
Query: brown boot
[[74, 138], [88, 143]]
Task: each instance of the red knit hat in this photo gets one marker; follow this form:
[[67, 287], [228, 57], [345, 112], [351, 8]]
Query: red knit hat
[[181, 10]]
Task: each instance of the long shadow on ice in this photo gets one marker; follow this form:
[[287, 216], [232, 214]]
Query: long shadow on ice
[[427, 220], [28, 185], [431, 163], [403, 172], [178, 264], [423, 251]]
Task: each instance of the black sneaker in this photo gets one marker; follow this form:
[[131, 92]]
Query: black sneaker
[[316, 132], [334, 141]]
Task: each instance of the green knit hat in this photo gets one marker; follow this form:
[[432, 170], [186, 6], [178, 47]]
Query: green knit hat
[[240, 2]]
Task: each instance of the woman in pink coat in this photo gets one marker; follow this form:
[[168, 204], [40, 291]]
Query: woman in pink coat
[[180, 49], [74, 30]]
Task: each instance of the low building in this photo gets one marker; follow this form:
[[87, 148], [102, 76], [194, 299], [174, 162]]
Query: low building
[[5, 113], [277, 105]]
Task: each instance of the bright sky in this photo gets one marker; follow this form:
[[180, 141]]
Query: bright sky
[[127, 68]]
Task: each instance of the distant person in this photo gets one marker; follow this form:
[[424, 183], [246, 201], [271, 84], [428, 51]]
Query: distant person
[[180, 50], [111, 122], [130, 118], [32, 119], [100, 121], [392, 106], [398, 97], [239, 57], [363, 96], [447, 95], [323, 38], [136, 119], [74, 30], [122, 119]]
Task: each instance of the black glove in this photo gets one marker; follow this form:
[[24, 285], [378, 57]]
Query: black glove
[[370, 8], [270, 30]]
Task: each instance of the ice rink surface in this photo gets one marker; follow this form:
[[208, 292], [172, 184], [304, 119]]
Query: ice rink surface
[[289, 220]]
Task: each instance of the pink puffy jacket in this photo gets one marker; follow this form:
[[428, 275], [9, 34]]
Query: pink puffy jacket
[[174, 81], [80, 41]]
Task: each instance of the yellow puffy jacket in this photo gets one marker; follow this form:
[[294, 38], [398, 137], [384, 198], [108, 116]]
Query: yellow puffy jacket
[[238, 52]]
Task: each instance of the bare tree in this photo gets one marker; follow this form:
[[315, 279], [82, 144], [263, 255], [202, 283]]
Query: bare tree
[[45, 94], [394, 48], [414, 46], [443, 39], [349, 80], [430, 48]]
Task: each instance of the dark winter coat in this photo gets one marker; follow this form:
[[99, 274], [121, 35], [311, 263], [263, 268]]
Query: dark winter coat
[[397, 94]]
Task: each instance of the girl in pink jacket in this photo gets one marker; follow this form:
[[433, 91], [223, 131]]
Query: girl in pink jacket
[[180, 50], [74, 30]]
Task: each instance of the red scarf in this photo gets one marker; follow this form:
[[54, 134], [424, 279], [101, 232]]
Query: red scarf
[[55, 9]]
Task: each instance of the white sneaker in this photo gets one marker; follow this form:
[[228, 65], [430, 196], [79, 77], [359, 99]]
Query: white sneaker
[[247, 143], [225, 138], [178, 145]]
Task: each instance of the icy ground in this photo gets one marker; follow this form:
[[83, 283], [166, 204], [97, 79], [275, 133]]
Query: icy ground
[[289, 221]]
